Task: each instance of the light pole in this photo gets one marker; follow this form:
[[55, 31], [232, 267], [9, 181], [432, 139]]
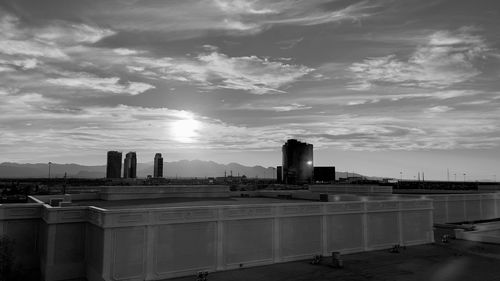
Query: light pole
[[464, 177], [455, 174], [50, 163], [401, 175]]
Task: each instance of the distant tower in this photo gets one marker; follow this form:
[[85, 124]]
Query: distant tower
[[298, 165], [279, 174], [130, 165], [114, 165], [158, 168]]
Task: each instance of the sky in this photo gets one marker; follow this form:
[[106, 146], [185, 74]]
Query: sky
[[383, 87]]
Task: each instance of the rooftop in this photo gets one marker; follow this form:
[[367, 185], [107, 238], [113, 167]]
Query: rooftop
[[458, 261]]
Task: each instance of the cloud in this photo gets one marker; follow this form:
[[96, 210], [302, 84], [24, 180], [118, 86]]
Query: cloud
[[242, 7], [250, 14], [445, 59], [439, 109], [34, 122], [45, 41], [126, 52], [20, 63], [191, 18], [216, 70], [291, 107], [288, 44], [58, 46], [69, 34], [111, 85]]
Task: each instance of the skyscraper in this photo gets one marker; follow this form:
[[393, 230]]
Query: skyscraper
[[158, 168], [114, 165], [279, 174], [130, 165], [298, 165]]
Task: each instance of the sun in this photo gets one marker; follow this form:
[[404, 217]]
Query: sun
[[186, 130]]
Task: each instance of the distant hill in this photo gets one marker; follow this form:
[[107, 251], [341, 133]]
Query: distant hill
[[182, 169]]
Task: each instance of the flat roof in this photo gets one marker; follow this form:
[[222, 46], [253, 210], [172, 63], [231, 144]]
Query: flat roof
[[458, 261], [181, 202]]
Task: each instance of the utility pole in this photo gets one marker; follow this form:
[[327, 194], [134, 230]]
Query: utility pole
[[50, 163], [64, 185]]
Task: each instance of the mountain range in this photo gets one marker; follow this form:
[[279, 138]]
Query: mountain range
[[182, 169]]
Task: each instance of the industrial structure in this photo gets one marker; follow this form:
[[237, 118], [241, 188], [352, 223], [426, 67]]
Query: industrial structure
[[114, 165], [324, 174], [158, 166], [130, 165], [298, 165]]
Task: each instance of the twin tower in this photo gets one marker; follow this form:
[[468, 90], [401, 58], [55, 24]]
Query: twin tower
[[114, 165]]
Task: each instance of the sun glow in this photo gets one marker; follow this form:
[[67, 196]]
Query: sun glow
[[186, 130]]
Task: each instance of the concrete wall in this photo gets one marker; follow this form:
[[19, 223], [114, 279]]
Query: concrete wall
[[162, 191], [168, 242], [64, 235], [350, 188], [21, 223], [157, 243], [465, 207]]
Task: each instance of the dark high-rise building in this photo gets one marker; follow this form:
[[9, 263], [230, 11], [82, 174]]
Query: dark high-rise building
[[298, 162], [279, 174], [324, 174], [130, 165], [114, 165], [158, 168]]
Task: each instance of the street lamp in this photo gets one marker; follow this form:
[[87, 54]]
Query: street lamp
[[49, 168], [464, 177]]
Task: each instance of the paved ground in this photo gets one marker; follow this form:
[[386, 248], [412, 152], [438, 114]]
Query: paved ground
[[457, 261]]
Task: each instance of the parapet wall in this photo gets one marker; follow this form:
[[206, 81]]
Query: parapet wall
[[155, 244], [162, 191], [351, 189], [465, 207], [159, 243]]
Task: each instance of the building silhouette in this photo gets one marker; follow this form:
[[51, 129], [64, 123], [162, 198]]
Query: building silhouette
[[114, 165], [130, 165], [158, 166], [324, 174], [279, 174], [298, 165]]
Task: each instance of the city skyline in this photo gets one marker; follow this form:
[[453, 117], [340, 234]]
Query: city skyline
[[378, 87]]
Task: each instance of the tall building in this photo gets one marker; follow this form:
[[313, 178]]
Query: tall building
[[114, 165], [324, 174], [130, 165], [279, 174], [158, 168], [298, 165]]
